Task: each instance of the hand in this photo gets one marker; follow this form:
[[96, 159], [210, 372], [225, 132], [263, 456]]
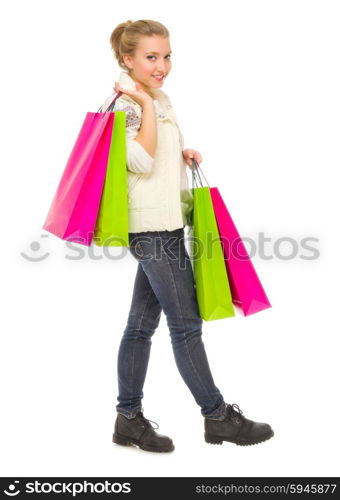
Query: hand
[[189, 154], [138, 95]]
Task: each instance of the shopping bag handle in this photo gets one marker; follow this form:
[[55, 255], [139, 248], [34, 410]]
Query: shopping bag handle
[[113, 102], [196, 169]]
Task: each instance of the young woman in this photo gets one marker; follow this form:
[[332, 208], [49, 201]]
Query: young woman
[[160, 204]]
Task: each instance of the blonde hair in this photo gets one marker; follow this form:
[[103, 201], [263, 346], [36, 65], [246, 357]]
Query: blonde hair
[[125, 37]]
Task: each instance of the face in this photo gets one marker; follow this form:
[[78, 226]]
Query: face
[[151, 58]]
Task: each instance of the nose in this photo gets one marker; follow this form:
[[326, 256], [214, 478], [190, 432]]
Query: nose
[[161, 68]]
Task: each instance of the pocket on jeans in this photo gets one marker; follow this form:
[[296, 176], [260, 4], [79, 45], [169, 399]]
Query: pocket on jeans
[[135, 246]]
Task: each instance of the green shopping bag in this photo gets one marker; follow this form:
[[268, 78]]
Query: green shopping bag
[[212, 284], [112, 221]]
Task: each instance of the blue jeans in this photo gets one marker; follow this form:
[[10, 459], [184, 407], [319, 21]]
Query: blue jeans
[[164, 281]]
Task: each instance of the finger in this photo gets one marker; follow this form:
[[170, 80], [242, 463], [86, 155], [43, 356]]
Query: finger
[[118, 88]]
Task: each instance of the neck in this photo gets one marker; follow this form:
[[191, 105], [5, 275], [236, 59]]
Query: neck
[[146, 89]]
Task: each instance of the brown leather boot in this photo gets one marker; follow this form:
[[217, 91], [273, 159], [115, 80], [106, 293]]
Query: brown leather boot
[[139, 431], [236, 428]]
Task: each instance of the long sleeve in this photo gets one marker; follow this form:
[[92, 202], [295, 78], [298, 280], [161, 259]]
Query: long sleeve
[[138, 160]]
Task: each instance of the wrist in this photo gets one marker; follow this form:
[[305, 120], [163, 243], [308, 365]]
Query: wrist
[[148, 104]]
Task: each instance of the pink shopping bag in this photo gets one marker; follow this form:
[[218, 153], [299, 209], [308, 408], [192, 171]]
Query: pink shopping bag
[[246, 289], [74, 209], [245, 286]]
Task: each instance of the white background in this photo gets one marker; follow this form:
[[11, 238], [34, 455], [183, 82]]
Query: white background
[[255, 86]]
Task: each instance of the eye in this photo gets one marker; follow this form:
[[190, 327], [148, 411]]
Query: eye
[[169, 56]]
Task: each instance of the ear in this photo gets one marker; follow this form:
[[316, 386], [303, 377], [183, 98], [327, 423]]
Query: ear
[[127, 61]]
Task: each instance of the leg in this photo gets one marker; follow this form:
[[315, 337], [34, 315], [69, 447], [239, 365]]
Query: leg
[[167, 265], [134, 350]]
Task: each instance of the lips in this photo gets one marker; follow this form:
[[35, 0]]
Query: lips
[[158, 77]]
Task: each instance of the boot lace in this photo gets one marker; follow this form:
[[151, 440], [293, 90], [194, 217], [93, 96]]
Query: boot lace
[[147, 421], [234, 412]]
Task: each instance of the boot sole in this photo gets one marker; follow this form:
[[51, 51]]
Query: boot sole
[[219, 440], [124, 441]]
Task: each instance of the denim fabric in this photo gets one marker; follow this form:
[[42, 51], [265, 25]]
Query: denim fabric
[[164, 281]]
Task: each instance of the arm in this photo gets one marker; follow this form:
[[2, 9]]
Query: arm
[[147, 136], [144, 142], [140, 143]]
